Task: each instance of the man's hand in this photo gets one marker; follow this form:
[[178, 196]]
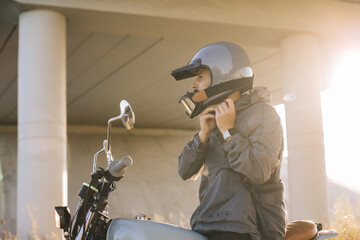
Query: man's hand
[[225, 115], [207, 123]]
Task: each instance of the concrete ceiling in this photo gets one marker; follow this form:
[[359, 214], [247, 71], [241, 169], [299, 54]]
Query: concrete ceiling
[[107, 64]]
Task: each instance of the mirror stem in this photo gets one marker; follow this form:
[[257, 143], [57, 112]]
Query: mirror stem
[[120, 117]]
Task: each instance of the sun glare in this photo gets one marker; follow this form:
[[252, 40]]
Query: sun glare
[[341, 120]]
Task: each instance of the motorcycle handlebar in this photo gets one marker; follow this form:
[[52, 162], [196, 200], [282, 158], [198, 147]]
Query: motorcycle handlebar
[[117, 168]]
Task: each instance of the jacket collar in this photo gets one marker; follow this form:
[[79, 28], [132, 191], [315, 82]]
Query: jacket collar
[[255, 95]]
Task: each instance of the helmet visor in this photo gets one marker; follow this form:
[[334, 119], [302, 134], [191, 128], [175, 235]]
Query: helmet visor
[[187, 71]]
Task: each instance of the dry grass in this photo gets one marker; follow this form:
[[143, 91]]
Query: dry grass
[[7, 236], [346, 222], [34, 229], [347, 219]]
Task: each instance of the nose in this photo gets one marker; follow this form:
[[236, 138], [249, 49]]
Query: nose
[[195, 84]]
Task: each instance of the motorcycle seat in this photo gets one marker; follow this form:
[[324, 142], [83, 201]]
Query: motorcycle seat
[[302, 230]]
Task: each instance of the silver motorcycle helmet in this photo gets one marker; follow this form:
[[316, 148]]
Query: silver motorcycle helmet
[[230, 71]]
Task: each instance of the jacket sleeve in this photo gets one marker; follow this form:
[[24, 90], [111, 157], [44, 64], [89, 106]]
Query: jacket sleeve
[[191, 159], [256, 155]]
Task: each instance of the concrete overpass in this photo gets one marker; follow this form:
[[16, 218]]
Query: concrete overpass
[[65, 66]]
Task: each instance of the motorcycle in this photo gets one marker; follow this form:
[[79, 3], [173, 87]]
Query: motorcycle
[[90, 220]]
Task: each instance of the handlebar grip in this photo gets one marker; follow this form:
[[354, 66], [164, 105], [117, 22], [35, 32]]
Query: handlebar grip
[[117, 168]]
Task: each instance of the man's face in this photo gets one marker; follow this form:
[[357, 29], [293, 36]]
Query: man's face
[[202, 80]]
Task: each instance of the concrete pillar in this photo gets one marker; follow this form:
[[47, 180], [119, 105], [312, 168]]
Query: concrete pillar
[[41, 182], [301, 88]]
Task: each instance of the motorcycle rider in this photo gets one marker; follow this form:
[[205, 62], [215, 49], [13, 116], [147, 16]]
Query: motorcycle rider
[[240, 139]]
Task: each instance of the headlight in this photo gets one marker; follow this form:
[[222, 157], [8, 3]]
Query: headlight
[[62, 217]]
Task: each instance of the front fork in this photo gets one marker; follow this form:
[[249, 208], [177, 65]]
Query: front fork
[[96, 217], [89, 217]]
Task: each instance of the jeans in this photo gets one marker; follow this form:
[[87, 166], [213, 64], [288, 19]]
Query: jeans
[[227, 236]]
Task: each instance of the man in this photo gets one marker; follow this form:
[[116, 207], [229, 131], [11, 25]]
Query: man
[[239, 145]]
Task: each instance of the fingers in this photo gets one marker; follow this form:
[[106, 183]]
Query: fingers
[[217, 112], [223, 108], [225, 115], [226, 107], [231, 104], [208, 116], [208, 110]]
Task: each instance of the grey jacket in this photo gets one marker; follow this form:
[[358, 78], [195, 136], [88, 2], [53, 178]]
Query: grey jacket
[[225, 204]]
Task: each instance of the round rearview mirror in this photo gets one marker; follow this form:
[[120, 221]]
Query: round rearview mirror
[[128, 115]]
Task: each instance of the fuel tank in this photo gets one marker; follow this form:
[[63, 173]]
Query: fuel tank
[[131, 229]]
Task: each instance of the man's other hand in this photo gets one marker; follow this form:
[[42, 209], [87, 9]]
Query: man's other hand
[[225, 115]]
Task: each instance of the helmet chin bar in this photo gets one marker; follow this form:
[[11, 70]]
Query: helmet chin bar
[[196, 102], [237, 84]]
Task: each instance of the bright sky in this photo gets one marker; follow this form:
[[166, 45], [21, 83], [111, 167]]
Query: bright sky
[[341, 121]]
